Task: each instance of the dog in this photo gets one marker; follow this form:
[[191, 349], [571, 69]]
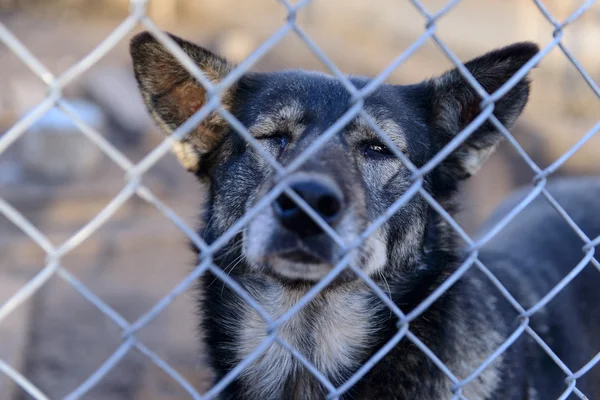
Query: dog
[[349, 182]]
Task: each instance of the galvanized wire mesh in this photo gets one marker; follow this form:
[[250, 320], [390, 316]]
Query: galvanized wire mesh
[[133, 173]]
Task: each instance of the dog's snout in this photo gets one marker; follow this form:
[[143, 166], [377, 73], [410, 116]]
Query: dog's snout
[[324, 198]]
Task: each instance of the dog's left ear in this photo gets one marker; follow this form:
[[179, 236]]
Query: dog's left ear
[[172, 94], [456, 104]]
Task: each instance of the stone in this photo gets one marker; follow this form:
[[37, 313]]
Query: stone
[[14, 332], [114, 89], [56, 150]]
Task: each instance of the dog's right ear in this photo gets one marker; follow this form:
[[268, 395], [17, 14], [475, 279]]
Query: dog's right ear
[[455, 104], [172, 94]]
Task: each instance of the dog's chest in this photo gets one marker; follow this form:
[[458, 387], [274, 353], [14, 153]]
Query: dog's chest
[[332, 332]]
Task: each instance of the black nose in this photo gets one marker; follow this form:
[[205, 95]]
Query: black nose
[[324, 198]]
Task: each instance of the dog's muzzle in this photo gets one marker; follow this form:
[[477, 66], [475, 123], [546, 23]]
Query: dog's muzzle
[[324, 198], [288, 241]]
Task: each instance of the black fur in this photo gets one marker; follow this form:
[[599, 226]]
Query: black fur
[[413, 253]]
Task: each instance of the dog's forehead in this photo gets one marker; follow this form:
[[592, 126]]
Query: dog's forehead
[[306, 97], [312, 90]]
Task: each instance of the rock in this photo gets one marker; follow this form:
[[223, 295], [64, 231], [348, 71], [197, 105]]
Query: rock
[[115, 90], [55, 149], [14, 332]]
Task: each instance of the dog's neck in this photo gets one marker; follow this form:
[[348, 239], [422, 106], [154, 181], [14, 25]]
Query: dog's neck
[[336, 331]]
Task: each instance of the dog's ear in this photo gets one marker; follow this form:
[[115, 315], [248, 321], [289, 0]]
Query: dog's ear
[[172, 94], [456, 104]]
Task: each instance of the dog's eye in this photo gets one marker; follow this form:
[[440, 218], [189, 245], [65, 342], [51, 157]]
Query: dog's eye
[[278, 140], [375, 150]]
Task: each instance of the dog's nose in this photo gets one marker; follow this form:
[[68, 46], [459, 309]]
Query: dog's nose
[[324, 198]]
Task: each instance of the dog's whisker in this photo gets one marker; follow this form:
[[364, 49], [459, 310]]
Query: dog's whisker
[[240, 259], [235, 246], [225, 269]]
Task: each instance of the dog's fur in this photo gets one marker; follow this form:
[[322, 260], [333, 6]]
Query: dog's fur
[[409, 256]]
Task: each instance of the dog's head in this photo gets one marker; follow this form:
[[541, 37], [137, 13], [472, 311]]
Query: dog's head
[[351, 180]]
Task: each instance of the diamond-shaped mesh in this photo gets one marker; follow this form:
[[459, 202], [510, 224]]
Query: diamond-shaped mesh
[[133, 173]]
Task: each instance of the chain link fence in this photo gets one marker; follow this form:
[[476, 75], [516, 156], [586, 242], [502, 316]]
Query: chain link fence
[[133, 173]]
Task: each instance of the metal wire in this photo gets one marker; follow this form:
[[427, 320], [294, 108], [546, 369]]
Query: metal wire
[[133, 173]]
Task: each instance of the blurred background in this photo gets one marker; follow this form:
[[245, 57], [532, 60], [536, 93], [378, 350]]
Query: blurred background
[[58, 179]]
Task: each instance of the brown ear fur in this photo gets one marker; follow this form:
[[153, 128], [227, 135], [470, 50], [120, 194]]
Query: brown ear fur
[[172, 94]]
